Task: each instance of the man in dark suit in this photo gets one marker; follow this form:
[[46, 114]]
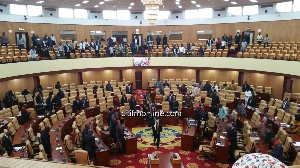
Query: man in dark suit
[[56, 101], [112, 127], [84, 132], [123, 100], [188, 101], [165, 40], [207, 87], [128, 89], [120, 136], [90, 144], [277, 151], [214, 103], [251, 102], [49, 103], [45, 140], [245, 86], [108, 117], [76, 105], [285, 104], [108, 87], [132, 103], [157, 129], [7, 143], [97, 47], [57, 86], [83, 102], [232, 142], [166, 84], [237, 38], [169, 98], [25, 114], [174, 104], [60, 94], [67, 49]]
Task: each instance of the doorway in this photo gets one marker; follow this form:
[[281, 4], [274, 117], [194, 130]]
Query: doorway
[[251, 36], [138, 38], [138, 79], [25, 37]]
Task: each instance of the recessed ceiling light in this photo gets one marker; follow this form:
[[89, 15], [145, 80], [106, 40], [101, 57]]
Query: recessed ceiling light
[[132, 4], [85, 1], [177, 0], [129, 7], [226, 0], [234, 3], [96, 6], [177, 3], [77, 4], [253, 0], [105, 0], [101, 3], [193, 2], [198, 6], [40, 2], [180, 6]]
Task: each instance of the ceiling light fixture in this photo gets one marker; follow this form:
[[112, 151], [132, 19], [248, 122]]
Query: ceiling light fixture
[[253, 0], [40, 2], [177, 0], [198, 6], [152, 9], [132, 4], [234, 3], [180, 6], [129, 7], [177, 3], [193, 2], [101, 3], [85, 1], [96, 6], [226, 0], [77, 4]]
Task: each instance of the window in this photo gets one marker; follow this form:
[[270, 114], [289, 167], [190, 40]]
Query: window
[[162, 15], [80, 13], [34, 10], [18, 9], [235, 11], [284, 6], [296, 7], [123, 14], [205, 13], [109, 14], [65, 13], [250, 10], [191, 14]]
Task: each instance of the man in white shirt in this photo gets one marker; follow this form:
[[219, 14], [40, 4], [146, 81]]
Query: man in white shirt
[[195, 91], [259, 39], [223, 44], [111, 51], [167, 51], [248, 94], [181, 50], [86, 45], [215, 87], [124, 40], [92, 44], [82, 47], [136, 42], [209, 42], [53, 39]]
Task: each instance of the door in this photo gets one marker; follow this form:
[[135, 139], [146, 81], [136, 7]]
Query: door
[[138, 79], [25, 37], [251, 36], [138, 38]]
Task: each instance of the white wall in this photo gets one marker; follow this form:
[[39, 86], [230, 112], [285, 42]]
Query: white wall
[[5, 9], [261, 11], [92, 15], [180, 16], [47, 13], [222, 14], [139, 16]]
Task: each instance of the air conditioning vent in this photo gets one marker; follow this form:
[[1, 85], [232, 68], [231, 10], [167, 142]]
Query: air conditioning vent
[[267, 6], [3, 5], [137, 12], [50, 9], [95, 11], [220, 9], [176, 12]]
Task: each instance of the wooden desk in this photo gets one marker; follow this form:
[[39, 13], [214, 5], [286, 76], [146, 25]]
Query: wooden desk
[[187, 112], [187, 138], [221, 151], [29, 104], [170, 120], [262, 96], [249, 112], [102, 157], [131, 142], [164, 162], [92, 111], [58, 131]]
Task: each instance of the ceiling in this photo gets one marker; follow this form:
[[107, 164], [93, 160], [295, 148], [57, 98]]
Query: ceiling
[[138, 6]]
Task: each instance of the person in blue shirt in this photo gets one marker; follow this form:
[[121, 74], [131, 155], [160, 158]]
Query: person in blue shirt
[[132, 46], [158, 84], [222, 112], [277, 151]]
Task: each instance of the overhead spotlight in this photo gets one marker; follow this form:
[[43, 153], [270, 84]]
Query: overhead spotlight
[[135, 17], [248, 18], [51, 14], [96, 16], [266, 11], [176, 17], [219, 14], [1, 10], [141, 22], [25, 17]]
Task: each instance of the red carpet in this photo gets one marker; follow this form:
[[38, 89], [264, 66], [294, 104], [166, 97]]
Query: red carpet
[[140, 159]]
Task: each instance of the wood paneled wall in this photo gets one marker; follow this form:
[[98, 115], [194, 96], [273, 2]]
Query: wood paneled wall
[[177, 74], [277, 30], [64, 78], [257, 79], [129, 75], [149, 74], [296, 85], [16, 85], [218, 76], [102, 75]]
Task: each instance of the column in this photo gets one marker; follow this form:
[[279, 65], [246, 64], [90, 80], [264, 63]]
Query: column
[[197, 76], [80, 80], [120, 75], [36, 81], [241, 78]]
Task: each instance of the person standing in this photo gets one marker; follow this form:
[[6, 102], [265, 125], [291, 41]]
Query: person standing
[[244, 46], [33, 38], [174, 104], [157, 129], [224, 38], [232, 142], [97, 47], [124, 40], [60, 49], [167, 51], [76, 105], [165, 40], [237, 38], [109, 115], [45, 140], [123, 100], [20, 42], [222, 112], [132, 103], [128, 89], [90, 144], [120, 136], [245, 86], [7, 143], [259, 38], [4, 40], [112, 127], [25, 114], [229, 41], [248, 94], [181, 50], [266, 41], [32, 53], [209, 42], [84, 132], [136, 43], [158, 40]]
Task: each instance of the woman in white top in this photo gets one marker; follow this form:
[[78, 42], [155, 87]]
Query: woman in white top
[[195, 91], [60, 49], [259, 39], [266, 40], [223, 44], [181, 50], [32, 53], [167, 51], [243, 46], [193, 48], [248, 94]]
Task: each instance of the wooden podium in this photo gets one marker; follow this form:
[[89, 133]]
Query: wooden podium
[[164, 160]]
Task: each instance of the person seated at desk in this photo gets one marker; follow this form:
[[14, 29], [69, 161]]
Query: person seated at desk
[[251, 102], [7, 143], [232, 86], [214, 103], [222, 112], [183, 89], [56, 101], [286, 104], [277, 151], [232, 142], [129, 89], [25, 92], [108, 87], [84, 132], [116, 102], [132, 103], [83, 103], [60, 94], [158, 84], [296, 125], [166, 84], [226, 87], [174, 104], [90, 144], [207, 87], [169, 98], [25, 114], [45, 140], [123, 100], [241, 109], [120, 136], [49, 103], [57, 86], [188, 101], [76, 105], [230, 117]]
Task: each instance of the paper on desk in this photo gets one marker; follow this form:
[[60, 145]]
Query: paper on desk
[[296, 143], [96, 139], [224, 132], [17, 148], [220, 144], [256, 138], [222, 137], [58, 148]]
